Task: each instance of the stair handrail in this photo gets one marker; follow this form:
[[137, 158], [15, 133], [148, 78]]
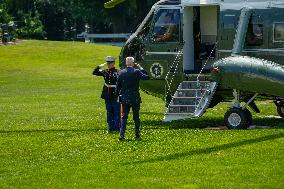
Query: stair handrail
[[175, 65], [203, 95], [197, 79]]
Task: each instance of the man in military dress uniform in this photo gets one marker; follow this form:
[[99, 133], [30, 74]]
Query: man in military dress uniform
[[128, 89], [108, 93]]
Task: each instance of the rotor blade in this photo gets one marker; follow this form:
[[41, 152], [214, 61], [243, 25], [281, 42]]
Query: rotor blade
[[112, 3]]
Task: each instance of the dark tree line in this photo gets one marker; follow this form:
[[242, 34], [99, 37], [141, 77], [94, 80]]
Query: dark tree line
[[63, 19]]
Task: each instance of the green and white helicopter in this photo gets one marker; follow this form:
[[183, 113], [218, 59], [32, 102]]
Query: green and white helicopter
[[202, 52]]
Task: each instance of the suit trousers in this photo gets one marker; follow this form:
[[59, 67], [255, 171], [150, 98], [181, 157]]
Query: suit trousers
[[125, 112]]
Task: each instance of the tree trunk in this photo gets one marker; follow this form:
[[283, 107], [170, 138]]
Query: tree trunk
[[118, 18]]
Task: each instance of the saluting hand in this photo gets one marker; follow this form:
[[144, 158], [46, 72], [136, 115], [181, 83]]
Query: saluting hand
[[138, 66], [102, 65]]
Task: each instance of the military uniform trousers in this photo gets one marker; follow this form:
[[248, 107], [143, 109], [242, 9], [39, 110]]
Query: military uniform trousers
[[125, 112], [113, 115]]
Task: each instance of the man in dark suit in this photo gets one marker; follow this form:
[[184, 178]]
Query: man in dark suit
[[128, 88], [108, 93]]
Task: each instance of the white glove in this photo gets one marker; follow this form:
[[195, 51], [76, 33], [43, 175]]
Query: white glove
[[138, 66], [102, 65]]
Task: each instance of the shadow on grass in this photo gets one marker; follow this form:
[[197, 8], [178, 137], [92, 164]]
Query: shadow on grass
[[210, 149], [196, 123], [151, 113], [276, 122], [153, 124], [159, 124], [51, 130], [183, 124], [208, 122]]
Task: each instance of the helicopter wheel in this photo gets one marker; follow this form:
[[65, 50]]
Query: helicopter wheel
[[236, 118], [280, 109]]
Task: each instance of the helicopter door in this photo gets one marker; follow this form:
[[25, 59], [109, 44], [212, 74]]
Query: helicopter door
[[200, 28], [163, 41]]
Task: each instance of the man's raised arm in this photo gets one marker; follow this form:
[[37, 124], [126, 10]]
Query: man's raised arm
[[97, 70]]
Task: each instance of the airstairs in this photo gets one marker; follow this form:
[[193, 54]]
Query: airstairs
[[190, 100]]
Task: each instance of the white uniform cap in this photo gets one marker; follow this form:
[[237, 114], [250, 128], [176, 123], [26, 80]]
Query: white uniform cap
[[109, 59]]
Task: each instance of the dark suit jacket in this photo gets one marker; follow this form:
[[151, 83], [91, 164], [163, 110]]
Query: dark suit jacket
[[128, 85]]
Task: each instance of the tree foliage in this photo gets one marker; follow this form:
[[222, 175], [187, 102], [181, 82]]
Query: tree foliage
[[4, 16], [63, 20]]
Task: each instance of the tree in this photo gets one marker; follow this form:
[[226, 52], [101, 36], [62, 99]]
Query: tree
[[131, 13], [4, 16], [27, 18], [62, 20]]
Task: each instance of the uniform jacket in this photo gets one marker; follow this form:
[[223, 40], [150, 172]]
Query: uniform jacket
[[128, 85], [110, 77]]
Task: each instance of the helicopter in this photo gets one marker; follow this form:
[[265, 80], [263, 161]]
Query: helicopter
[[203, 52]]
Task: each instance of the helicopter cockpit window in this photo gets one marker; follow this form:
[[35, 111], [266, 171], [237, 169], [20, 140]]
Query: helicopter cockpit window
[[145, 29], [278, 32], [167, 24], [254, 35]]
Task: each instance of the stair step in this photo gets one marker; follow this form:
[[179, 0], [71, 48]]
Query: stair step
[[185, 101], [188, 89], [194, 84], [190, 100], [178, 113], [181, 109], [177, 116], [189, 93]]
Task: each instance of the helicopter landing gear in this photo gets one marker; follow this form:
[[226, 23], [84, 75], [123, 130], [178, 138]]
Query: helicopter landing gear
[[238, 117], [249, 116], [280, 107], [280, 110]]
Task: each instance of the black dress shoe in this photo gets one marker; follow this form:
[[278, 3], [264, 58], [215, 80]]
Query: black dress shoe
[[121, 139]]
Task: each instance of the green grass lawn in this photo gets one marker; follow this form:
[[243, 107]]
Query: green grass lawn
[[53, 132]]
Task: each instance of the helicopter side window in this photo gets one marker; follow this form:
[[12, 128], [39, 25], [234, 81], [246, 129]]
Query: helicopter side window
[[254, 35], [229, 21], [278, 32], [166, 27]]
